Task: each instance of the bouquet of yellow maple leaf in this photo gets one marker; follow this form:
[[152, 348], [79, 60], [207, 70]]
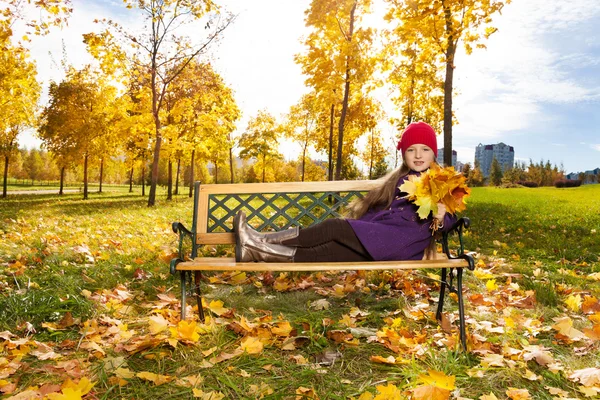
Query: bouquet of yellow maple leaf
[[437, 185]]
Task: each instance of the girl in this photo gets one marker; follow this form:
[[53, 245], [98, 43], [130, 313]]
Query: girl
[[382, 226]]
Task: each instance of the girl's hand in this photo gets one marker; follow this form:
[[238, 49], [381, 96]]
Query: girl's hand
[[441, 212]]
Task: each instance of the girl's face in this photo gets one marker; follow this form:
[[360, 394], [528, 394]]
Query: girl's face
[[418, 157]]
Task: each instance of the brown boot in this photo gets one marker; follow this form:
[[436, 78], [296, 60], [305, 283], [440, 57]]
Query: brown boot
[[252, 246], [240, 224]]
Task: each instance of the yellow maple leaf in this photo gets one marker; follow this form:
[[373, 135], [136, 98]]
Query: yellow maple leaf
[[216, 306], [438, 379], [197, 393], [490, 396], [366, 396], [491, 285], [238, 278], [83, 386], [348, 321], [518, 394], [430, 392], [564, 326], [157, 324], [185, 331], [154, 378], [574, 303], [252, 345], [67, 394], [388, 392], [305, 393], [282, 329], [124, 373]]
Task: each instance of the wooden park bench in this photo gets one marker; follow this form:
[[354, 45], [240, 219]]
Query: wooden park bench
[[280, 206]]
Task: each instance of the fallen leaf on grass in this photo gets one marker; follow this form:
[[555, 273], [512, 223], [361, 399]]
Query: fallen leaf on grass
[[587, 376], [590, 305], [574, 303], [518, 394], [154, 378], [305, 393], [216, 306], [207, 395], [565, 329], [320, 304], [258, 392], [252, 345], [157, 324], [537, 353], [490, 396]]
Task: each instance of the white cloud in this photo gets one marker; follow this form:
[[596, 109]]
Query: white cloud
[[595, 147]]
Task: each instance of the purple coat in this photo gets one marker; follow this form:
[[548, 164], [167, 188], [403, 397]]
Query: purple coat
[[396, 233]]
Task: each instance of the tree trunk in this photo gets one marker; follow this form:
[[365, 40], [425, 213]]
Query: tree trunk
[[303, 161], [177, 177], [192, 173], [371, 161], [155, 159], [330, 177], [144, 179], [170, 181], [216, 173], [450, 52], [85, 177], [264, 168], [338, 165], [101, 174], [5, 181], [131, 180], [231, 164], [62, 180]]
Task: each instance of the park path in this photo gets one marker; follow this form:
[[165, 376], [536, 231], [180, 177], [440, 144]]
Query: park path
[[43, 191]]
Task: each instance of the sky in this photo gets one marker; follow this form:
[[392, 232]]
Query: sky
[[536, 87]]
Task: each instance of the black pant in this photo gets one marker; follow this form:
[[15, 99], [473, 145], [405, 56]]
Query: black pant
[[330, 240]]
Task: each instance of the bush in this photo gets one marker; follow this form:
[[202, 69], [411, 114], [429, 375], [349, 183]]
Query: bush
[[567, 183], [528, 184]]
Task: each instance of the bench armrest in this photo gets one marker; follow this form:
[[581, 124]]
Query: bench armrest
[[184, 233], [458, 227]]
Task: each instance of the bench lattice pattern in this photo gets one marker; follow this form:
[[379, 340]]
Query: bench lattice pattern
[[277, 211]]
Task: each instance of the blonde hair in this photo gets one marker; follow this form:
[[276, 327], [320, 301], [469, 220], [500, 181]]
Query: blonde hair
[[380, 197]]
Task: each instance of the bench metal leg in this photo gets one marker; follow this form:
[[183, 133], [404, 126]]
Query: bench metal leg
[[461, 308], [197, 278], [183, 294], [443, 284]]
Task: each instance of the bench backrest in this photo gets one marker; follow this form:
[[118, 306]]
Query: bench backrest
[[269, 206]]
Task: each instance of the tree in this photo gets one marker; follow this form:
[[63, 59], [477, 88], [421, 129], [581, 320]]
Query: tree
[[260, 141], [495, 173], [19, 93], [442, 24], [374, 155], [79, 117], [340, 63], [160, 53], [414, 74], [301, 126]]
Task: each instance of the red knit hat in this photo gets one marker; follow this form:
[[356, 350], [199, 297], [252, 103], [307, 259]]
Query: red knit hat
[[418, 133]]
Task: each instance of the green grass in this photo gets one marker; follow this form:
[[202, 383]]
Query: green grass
[[62, 255]]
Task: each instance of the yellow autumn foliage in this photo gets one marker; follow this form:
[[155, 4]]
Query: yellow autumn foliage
[[437, 185]]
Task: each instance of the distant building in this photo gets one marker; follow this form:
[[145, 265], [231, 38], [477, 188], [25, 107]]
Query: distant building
[[503, 153], [440, 157], [589, 176]]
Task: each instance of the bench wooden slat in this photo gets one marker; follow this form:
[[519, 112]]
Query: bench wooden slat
[[215, 238], [229, 264], [289, 187]]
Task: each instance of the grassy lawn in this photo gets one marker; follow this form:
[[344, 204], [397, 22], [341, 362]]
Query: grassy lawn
[[85, 295]]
